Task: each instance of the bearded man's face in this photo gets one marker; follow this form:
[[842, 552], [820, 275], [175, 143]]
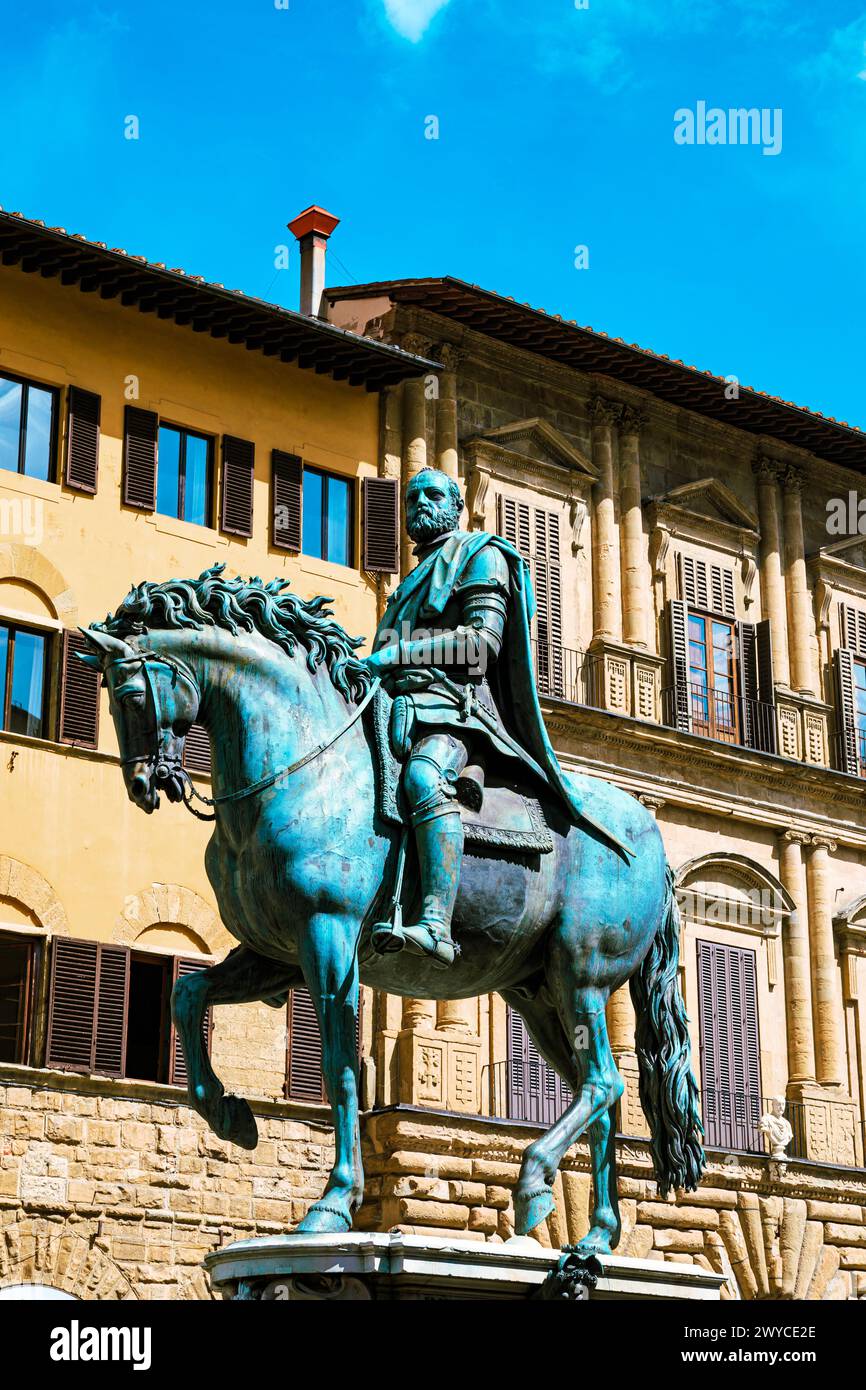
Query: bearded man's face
[[433, 507]]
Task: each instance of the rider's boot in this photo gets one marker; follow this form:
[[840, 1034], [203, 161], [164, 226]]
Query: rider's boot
[[440, 857]]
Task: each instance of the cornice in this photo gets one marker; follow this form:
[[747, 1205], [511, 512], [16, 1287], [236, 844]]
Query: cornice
[[822, 796]]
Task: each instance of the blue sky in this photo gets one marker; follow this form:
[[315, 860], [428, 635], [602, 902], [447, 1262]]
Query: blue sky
[[555, 130]]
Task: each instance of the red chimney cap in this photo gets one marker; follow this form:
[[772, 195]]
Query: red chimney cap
[[314, 220]]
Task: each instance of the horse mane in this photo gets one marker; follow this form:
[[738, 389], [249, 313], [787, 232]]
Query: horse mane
[[248, 605]]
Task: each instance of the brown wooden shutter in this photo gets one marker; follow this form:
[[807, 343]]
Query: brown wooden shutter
[[535, 1091], [112, 1004], [140, 434], [380, 501], [196, 750], [679, 714], [79, 694], [177, 1073], [766, 686], [87, 1010], [706, 586], [287, 473], [304, 1060], [747, 652], [853, 625], [547, 582], [730, 1047], [82, 439], [847, 740], [515, 525], [72, 1004], [236, 507]]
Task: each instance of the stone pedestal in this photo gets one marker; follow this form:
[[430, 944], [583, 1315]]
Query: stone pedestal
[[624, 681], [391, 1266]]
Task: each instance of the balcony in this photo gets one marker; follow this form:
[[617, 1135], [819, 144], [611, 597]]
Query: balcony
[[532, 1093], [696, 709], [569, 674]]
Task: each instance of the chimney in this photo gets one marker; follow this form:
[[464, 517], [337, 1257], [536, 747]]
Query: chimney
[[312, 229]]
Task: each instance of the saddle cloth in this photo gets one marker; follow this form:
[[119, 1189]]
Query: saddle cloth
[[508, 819]]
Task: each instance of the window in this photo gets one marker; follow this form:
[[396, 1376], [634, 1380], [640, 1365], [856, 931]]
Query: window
[[531, 1089], [730, 1055], [109, 1011], [22, 680], [304, 1080], [18, 966], [28, 424], [712, 678], [535, 533], [184, 475], [328, 517]]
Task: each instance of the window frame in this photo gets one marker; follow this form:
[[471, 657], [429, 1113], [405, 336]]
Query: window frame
[[210, 440], [859, 663], [326, 475], [54, 391], [13, 627], [33, 945], [712, 727]]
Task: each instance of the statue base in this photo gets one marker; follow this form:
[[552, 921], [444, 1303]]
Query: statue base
[[391, 1266]]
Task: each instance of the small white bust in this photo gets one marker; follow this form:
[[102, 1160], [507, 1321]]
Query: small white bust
[[776, 1128]]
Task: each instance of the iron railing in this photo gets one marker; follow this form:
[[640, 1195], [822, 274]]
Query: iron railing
[[569, 674], [849, 751], [729, 718], [732, 1121], [530, 1091]]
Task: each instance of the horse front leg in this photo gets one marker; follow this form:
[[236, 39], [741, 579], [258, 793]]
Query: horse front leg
[[243, 977], [329, 958]]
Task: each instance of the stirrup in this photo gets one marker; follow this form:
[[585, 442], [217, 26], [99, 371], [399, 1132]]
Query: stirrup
[[387, 937], [424, 939]]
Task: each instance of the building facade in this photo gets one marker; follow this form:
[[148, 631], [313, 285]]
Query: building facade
[[700, 640]]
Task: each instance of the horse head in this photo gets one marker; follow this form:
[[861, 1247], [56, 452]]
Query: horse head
[[154, 699]]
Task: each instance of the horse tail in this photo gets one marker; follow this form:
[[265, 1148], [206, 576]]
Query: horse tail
[[668, 1093]]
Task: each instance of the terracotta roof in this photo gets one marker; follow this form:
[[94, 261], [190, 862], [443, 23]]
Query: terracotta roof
[[589, 350], [194, 302]]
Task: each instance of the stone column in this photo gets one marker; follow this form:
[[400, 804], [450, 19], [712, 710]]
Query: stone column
[[635, 582], [446, 411], [606, 599], [795, 956], [826, 994], [772, 583], [457, 1015], [800, 619]]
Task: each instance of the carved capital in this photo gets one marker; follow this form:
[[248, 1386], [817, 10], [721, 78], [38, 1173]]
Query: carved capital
[[449, 355], [823, 842], [765, 469], [631, 420], [793, 478], [652, 803], [795, 837], [602, 412], [416, 344]]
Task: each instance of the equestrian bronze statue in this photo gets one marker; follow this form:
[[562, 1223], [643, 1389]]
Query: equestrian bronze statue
[[402, 820]]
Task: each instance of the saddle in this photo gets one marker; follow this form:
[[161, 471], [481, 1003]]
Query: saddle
[[507, 819]]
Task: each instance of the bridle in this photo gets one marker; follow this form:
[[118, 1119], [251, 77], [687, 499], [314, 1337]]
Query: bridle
[[169, 771]]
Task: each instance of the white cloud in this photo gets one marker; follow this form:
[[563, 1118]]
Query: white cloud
[[411, 18]]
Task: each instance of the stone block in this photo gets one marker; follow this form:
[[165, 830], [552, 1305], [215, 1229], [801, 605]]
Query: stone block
[[447, 1214]]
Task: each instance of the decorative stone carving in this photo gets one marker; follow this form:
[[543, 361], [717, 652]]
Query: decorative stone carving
[[776, 1129]]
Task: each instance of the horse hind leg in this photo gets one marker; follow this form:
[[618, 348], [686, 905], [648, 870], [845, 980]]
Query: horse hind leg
[[578, 1048], [243, 977]]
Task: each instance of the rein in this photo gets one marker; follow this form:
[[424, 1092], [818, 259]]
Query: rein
[[265, 782]]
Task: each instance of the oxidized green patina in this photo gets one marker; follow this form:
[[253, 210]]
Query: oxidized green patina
[[302, 862]]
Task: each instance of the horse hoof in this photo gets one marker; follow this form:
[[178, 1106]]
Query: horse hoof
[[531, 1208], [237, 1122], [323, 1219]]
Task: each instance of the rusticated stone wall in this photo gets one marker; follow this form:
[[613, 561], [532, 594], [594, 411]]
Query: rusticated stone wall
[[798, 1233], [116, 1190]]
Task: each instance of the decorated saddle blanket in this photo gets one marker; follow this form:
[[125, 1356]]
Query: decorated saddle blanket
[[508, 818]]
